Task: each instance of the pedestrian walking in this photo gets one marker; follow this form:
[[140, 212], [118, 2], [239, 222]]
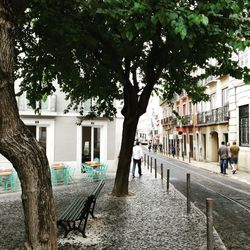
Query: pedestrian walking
[[173, 150], [137, 159], [223, 154], [229, 157], [149, 146], [160, 147], [234, 151], [155, 148]]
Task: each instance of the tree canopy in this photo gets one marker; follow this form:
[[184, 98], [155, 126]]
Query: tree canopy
[[94, 48]]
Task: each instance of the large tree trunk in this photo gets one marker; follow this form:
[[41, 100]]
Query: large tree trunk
[[122, 173], [26, 154]]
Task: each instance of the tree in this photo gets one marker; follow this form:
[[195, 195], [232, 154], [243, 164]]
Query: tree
[[107, 50], [18, 145], [115, 47]]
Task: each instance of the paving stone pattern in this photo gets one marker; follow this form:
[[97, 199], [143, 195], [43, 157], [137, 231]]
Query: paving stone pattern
[[150, 218]]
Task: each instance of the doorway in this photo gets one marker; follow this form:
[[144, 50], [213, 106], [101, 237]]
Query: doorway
[[40, 133], [225, 138], [204, 146], [214, 146], [185, 144], [191, 145], [90, 143]]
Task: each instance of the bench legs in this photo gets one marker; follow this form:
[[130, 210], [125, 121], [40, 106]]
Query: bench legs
[[71, 226]]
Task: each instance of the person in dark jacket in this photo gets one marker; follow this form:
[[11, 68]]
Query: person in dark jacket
[[173, 150], [223, 154]]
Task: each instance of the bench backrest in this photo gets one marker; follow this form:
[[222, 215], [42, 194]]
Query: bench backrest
[[87, 207], [98, 189]]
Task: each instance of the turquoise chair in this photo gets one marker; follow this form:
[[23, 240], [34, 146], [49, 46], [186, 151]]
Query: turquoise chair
[[89, 171], [59, 176], [14, 182], [97, 159], [4, 183], [8, 182], [53, 176], [92, 173], [103, 170], [71, 172]]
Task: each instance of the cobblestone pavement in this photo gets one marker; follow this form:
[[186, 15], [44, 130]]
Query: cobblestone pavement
[[150, 218]]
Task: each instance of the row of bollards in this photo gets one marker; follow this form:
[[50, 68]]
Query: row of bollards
[[209, 201]]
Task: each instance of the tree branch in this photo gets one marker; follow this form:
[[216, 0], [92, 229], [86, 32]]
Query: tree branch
[[154, 67]]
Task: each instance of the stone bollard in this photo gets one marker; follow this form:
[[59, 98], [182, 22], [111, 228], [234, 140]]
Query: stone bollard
[[188, 194], [155, 168], [161, 171], [168, 174], [209, 215], [151, 163]]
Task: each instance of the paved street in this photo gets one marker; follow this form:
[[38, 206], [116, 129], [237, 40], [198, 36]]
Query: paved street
[[151, 218], [230, 194]]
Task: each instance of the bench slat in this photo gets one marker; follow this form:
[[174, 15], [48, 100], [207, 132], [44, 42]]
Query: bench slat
[[73, 208]]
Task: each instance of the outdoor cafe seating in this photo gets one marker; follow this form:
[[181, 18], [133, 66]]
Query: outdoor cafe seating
[[95, 170], [61, 174], [9, 180]]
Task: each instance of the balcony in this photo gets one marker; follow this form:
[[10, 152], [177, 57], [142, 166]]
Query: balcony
[[214, 116], [175, 121], [186, 120]]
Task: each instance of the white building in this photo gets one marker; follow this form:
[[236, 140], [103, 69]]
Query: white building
[[148, 126], [68, 141]]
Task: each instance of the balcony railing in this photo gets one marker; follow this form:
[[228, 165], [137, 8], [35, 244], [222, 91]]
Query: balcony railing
[[218, 115], [174, 121], [186, 120]]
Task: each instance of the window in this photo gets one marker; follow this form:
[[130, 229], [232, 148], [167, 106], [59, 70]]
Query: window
[[244, 125], [212, 101], [202, 106], [244, 58], [184, 109], [45, 105], [40, 133], [178, 109], [224, 97], [190, 108]]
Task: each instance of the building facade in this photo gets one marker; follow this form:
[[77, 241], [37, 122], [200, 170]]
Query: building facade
[[67, 139], [199, 129]]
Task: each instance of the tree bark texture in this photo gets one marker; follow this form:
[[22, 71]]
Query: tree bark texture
[[131, 115], [123, 169], [22, 150]]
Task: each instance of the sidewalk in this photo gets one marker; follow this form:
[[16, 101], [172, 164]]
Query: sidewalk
[[150, 218], [215, 168]]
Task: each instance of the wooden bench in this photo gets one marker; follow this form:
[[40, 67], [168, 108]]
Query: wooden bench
[[78, 211]]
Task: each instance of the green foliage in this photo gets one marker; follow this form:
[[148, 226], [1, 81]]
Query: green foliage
[[93, 47]]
